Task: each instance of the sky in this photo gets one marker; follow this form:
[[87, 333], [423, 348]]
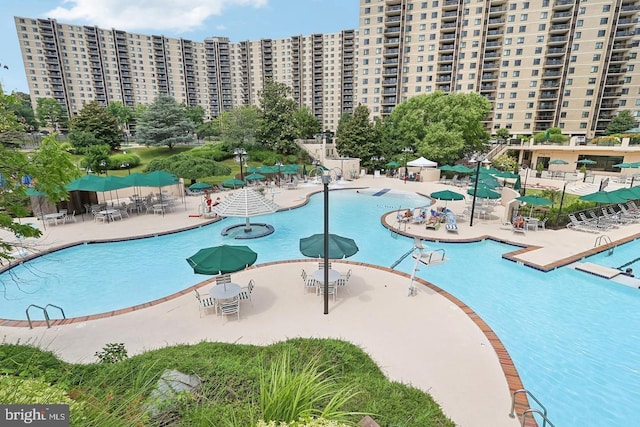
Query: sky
[[191, 19]]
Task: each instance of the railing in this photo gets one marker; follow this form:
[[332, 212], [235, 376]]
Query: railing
[[529, 410], [606, 241], [45, 312]]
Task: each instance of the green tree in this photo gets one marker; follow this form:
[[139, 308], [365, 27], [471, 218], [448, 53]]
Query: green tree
[[122, 114], [97, 158], [277, 130], [622, 122], [238, 126], [503, 133], [208, 129], [164, 123], [94, 119], [189, 167], [24, 111], [553, 135], [357, 137], [307, 125], [442, 127], [195, 114], [52, 113]]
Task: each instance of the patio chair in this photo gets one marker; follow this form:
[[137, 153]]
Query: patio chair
[[116, 215], [309, 282], [451, 225], [97, 216], [419, 216], [205, 303], [230, 306], [246, 291], [321, 265], [71, 217], [542, 224], [343, 281], [331, 289], [223, 279]]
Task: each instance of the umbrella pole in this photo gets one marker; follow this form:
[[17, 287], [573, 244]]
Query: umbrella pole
[[325, 181], [247, 225]]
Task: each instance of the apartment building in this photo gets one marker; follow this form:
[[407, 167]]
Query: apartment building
[[542, 63], [78, 64]]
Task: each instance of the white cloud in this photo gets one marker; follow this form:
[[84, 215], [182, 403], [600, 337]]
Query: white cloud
[[135, 15]]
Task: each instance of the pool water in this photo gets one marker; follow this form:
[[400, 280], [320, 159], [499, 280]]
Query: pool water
[[574, 337]]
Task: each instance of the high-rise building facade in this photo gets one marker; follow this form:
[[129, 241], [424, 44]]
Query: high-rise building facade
[[79, 64], [542, 63]]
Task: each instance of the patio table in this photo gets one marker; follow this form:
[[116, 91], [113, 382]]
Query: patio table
[[225, 291], [53, 216]]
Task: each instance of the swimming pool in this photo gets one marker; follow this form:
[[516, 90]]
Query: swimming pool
[[573, 337]]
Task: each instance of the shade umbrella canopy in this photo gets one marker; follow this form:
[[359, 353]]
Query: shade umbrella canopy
[[245, 203], [158, 179], [446, 168], [461, 169], [34, 192], [392, 164], [255, 177], [485, 193], [200, 186], [339, 247], [587, 162], [222, 259], [233, 183], [604, 197], [558, 162], [422, 163], [625, 165], [534, 200], [632, 193], [447, 195]]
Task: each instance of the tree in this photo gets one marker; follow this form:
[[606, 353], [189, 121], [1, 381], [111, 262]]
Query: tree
[[210, 128], [24, 111], [94, 119], [189, 167], [49, 167], [622, 122], [277, 130], [553, 135], [503, 133], [307, 125], [357, 136], [165, 123], [96, 158], [195, 114], [52, 113], [122, 114], [238, 126], [442, 127]]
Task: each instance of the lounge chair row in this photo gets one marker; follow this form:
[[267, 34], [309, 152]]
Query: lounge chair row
[[591, 222]]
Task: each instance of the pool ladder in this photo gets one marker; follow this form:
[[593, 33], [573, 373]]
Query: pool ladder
[[529, 412], [45, 312], [606, 241]]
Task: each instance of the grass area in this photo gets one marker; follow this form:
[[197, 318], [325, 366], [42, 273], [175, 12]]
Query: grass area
[[232, 384]]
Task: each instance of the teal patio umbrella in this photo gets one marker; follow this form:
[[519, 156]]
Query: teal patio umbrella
[[339, 247], [461, 169], [558, 162], [255, 177], [200, 186], [484, 193], [586, 162], [233, 183], [447, 195], [393, 164], [222, 259], [446, 168], [607, 197]]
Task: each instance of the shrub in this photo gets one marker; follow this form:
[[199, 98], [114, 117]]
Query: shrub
[[112, 353], [24, 391]]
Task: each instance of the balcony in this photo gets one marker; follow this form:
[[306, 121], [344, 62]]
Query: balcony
[[391, 52], [445, 58], [496, 21], [555, 51], [558, 39], [547, 106], [490, 76], [392, 41], [553, 63]]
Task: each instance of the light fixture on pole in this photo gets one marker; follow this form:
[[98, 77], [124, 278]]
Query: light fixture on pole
[[526, 175], [240, 153], [406, 151], [126, 165], [375, 160], [326, 179], [478, 160], [279, 165], [103, 167]]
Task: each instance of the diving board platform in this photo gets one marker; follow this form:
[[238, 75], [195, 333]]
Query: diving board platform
[[597, 270]]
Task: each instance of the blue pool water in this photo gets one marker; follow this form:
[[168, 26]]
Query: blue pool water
[[574, 338]]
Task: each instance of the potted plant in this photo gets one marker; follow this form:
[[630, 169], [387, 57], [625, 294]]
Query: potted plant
[[539, 168]]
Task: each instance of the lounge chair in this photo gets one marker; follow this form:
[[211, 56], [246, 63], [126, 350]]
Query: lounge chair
[[434, 222], [451, 223], [419, 216]]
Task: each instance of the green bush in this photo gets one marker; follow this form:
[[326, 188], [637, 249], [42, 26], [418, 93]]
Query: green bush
[[112, 353], [117, 160]]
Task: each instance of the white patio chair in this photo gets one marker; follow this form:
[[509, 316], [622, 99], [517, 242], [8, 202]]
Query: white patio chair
[[331, 290], [71, 217], [246, 291], [309, 282], [205, 303], [230, 306], [343, 281]]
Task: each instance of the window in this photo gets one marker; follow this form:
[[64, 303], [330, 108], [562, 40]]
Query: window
[[531, 95], [583, 125], [512, 105], [538, 50], [589, 92], [594, 69], [599, 45], [601, 33], [520, 40], [603, 21], [587, 103], [522, 29]]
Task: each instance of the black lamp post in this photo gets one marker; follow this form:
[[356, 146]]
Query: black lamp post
[[526, 175], [240, 153], [126, 165], [103, 167], [325, 181], [561, 202], [478, 161], [406, 151], [279, 165]]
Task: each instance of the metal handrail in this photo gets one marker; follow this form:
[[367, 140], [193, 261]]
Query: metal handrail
[[605, 241], [45, 312], [434, 251], [531, 411], [512, 414]]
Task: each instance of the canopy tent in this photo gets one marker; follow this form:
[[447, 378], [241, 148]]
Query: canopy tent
[[422, 163]]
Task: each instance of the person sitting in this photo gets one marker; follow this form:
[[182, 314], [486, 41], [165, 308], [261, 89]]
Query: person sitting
[[217, 202], [518, 222], [628, 272], [408, 214]]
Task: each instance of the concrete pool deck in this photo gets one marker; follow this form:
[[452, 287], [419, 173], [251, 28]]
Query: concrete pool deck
[[432, 340]]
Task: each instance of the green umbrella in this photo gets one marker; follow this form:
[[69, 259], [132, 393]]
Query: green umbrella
[[339, 247], [255, 177], [233, 183], [625, 165], [158, 179], [393, 164], [534, 200], [34, 192], [447, 195], [587, 162], [200, 186], [461, 169], [485, 193], [632, 193], [558, 162], [446, 168], [252, 169], [222, 259], [604, 197]]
